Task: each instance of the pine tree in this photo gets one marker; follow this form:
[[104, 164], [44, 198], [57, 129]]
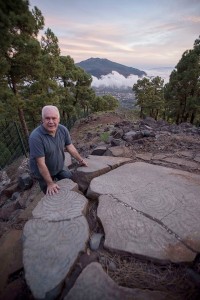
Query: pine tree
[[19, 53]]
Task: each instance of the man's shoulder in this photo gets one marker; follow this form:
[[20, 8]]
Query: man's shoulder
[[62, 128], [36, 132]]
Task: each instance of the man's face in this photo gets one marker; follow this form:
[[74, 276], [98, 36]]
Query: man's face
[[51, 120]]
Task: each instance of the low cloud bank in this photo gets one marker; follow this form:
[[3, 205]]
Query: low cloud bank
[[116, 80]]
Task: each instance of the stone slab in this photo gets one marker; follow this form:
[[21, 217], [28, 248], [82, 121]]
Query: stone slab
[[188, 154], [49, 251], [97, 165], [95, 284], [120, 151], [167, 197], [128, 230], [64, 205], [183, 162], [144, 156], [68, 184], [68, 159]]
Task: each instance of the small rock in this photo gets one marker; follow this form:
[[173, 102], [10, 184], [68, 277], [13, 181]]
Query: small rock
[[15, 195], [112, 266], [99, 151], [25, 181], [95, 241]]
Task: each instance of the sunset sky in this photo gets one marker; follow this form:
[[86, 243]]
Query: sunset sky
[[136, 33]]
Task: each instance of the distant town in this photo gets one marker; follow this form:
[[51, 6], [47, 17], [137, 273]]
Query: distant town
[[124, 95]]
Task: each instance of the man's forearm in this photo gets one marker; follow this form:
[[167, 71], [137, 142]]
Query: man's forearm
[[44, 171], [45, 174], [72, 150]]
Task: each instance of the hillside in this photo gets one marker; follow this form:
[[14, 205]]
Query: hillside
[[98, 67]]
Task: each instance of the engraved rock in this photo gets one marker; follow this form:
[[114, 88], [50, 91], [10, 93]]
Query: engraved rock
[[150, 210]]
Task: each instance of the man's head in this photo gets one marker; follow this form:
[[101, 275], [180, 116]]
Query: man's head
[[50, 118]]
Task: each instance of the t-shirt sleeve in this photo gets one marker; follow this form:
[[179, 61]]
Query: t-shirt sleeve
[[67, 137], [36, 147]]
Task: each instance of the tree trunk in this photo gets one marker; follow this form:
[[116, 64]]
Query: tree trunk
[[186, 117], [192, 117], [23, 122], [177, 118], [156, 115], [20, 111], [183, 116], [141, 112]]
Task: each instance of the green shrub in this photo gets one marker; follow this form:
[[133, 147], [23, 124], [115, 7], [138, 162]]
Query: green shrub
[[105, 136]]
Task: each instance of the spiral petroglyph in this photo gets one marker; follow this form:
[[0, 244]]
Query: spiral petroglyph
[[63, 205], [151, 209], [50, 250]]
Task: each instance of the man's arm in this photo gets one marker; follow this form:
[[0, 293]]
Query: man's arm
[[73, 151], [52, 187]]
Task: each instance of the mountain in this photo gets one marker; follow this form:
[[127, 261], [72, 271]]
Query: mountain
[[99, 66]]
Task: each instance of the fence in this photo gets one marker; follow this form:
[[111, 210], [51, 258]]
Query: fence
[[14, 143]]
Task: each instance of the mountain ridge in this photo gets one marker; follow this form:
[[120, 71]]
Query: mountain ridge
[[102, 66]]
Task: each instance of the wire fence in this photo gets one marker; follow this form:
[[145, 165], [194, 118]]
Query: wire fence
[[14, 143]]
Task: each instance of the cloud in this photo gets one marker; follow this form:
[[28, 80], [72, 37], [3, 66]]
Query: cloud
[[116, 80], [134, 33]]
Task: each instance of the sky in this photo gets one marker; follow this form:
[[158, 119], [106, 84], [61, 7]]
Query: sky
[[137, 33]]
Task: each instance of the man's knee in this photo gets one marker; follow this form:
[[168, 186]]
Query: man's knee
[[64, 174]]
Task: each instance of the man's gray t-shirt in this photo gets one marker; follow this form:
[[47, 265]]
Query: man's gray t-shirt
[[42, 144]]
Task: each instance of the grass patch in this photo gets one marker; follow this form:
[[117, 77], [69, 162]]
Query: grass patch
[[105, 136]]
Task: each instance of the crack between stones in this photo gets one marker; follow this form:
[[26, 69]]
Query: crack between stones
[[159, 222], [56, 221]]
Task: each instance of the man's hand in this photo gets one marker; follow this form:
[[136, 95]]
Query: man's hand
[[83, 163], [52, 188], [73, 151]]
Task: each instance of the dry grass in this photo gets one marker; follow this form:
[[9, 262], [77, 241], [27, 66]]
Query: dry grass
[[133, 272]]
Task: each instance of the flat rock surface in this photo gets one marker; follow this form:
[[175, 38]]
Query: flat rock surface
[[97, 165], [54, 238], [64, 205], [49, 251], [95, 284], [150, 210]]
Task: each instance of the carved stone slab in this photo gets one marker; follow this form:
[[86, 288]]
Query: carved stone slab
[[49, 251], [54, 239], [68, 184], [95, 284], [150, 210], [64, 205], [128, 230], [97, 165]]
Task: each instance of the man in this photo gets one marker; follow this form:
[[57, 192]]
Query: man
[[47, 144]]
